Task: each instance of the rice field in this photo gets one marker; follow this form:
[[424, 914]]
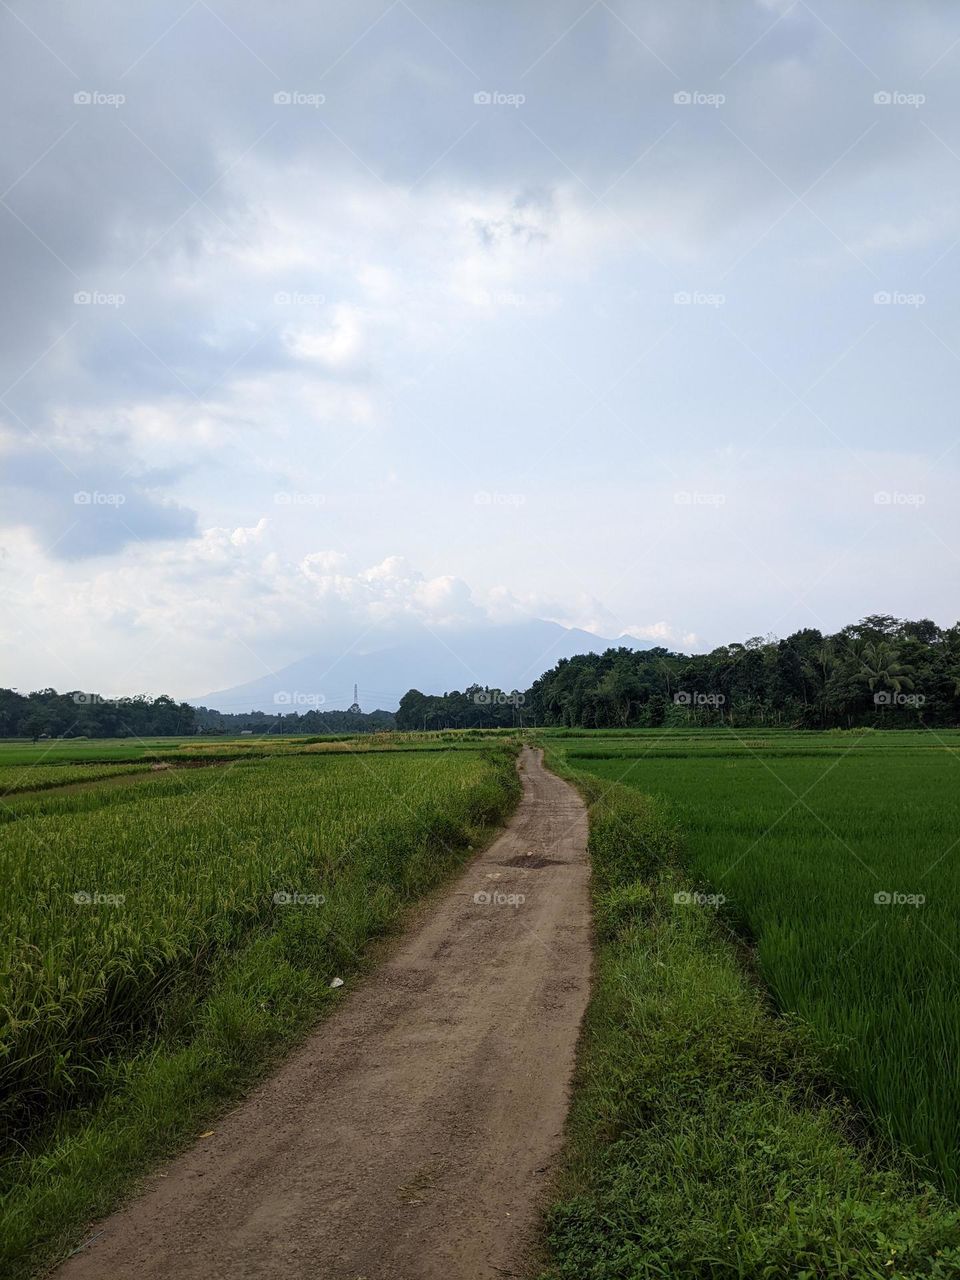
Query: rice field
[[198, 911], [838, 855], [39, 777]]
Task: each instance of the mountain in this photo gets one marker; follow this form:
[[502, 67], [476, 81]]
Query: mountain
[[385, 665]]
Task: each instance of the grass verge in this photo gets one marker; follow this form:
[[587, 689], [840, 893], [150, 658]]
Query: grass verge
[[704, 1140]]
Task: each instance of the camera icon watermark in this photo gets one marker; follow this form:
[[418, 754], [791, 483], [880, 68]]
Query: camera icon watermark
[[684, 298], [697, 98], [897, 98], [286, 498], [94, 298], [685, 698], [894, 698], [488, 498], [894, 498], [689, 898], [293, 698], [96, 98], [693, 498], [494, 898], [495, 98], [888, 898], [296, 98], [497, 698], [895, 298], [288, 298], [94, 498]]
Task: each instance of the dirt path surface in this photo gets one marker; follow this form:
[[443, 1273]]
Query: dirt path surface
[[410, 1136]]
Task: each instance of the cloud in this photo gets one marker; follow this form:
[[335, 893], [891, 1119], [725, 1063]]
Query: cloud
[[83, 505], [397, 296]]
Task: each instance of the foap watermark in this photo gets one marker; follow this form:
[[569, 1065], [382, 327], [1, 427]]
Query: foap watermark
[[690, 898], [891, 898], [506, 298], [494, 898], [698, 298], [287, 499], [486, 498], [693, 498], [97, 98], [497, 698], [897, 98], [297, 98], [293, 698], [285, 898], [697, 98], [894, 698], [686, 698], [496, 98], [98, 700], [291, 298], [896, 298], [97, 298], [94, 498], [894, 498], [83, 898]]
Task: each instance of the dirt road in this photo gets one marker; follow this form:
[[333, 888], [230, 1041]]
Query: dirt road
[[410, 1136]]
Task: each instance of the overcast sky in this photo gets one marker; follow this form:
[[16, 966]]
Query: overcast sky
[[642, 317]]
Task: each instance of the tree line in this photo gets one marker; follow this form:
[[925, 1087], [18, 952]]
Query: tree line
[[77, 714], [294, 722], [882, 671]]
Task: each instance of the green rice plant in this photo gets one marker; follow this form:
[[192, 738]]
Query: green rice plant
[[838, 858], [39, 777], [705, 1139], [165, 940]]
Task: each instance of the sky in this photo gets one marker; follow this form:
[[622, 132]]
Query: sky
[[639, 317]]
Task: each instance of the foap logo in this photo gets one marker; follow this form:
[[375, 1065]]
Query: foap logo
[[894, 298], [684, 698], [486, 898], [94, 498], [495, 98], [284, 898], [293, 698], [893, 698], [507, 298], [296, 98], [94, 298], [888, 898], [96, 98], [84, 899], [497, 698], [486, 498], [683, 298], [287, 499], [894, 498], [691, 899], [897, 98], [287, 298], [697, 98], [692, 498]]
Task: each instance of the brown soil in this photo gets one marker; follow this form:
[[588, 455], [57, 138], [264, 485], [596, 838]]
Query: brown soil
[[411, 1137]]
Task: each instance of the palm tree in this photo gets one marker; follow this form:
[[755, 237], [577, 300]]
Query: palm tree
[[881, 668]]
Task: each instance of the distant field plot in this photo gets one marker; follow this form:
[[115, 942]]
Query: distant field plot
[[38, 777], [839, 855]]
